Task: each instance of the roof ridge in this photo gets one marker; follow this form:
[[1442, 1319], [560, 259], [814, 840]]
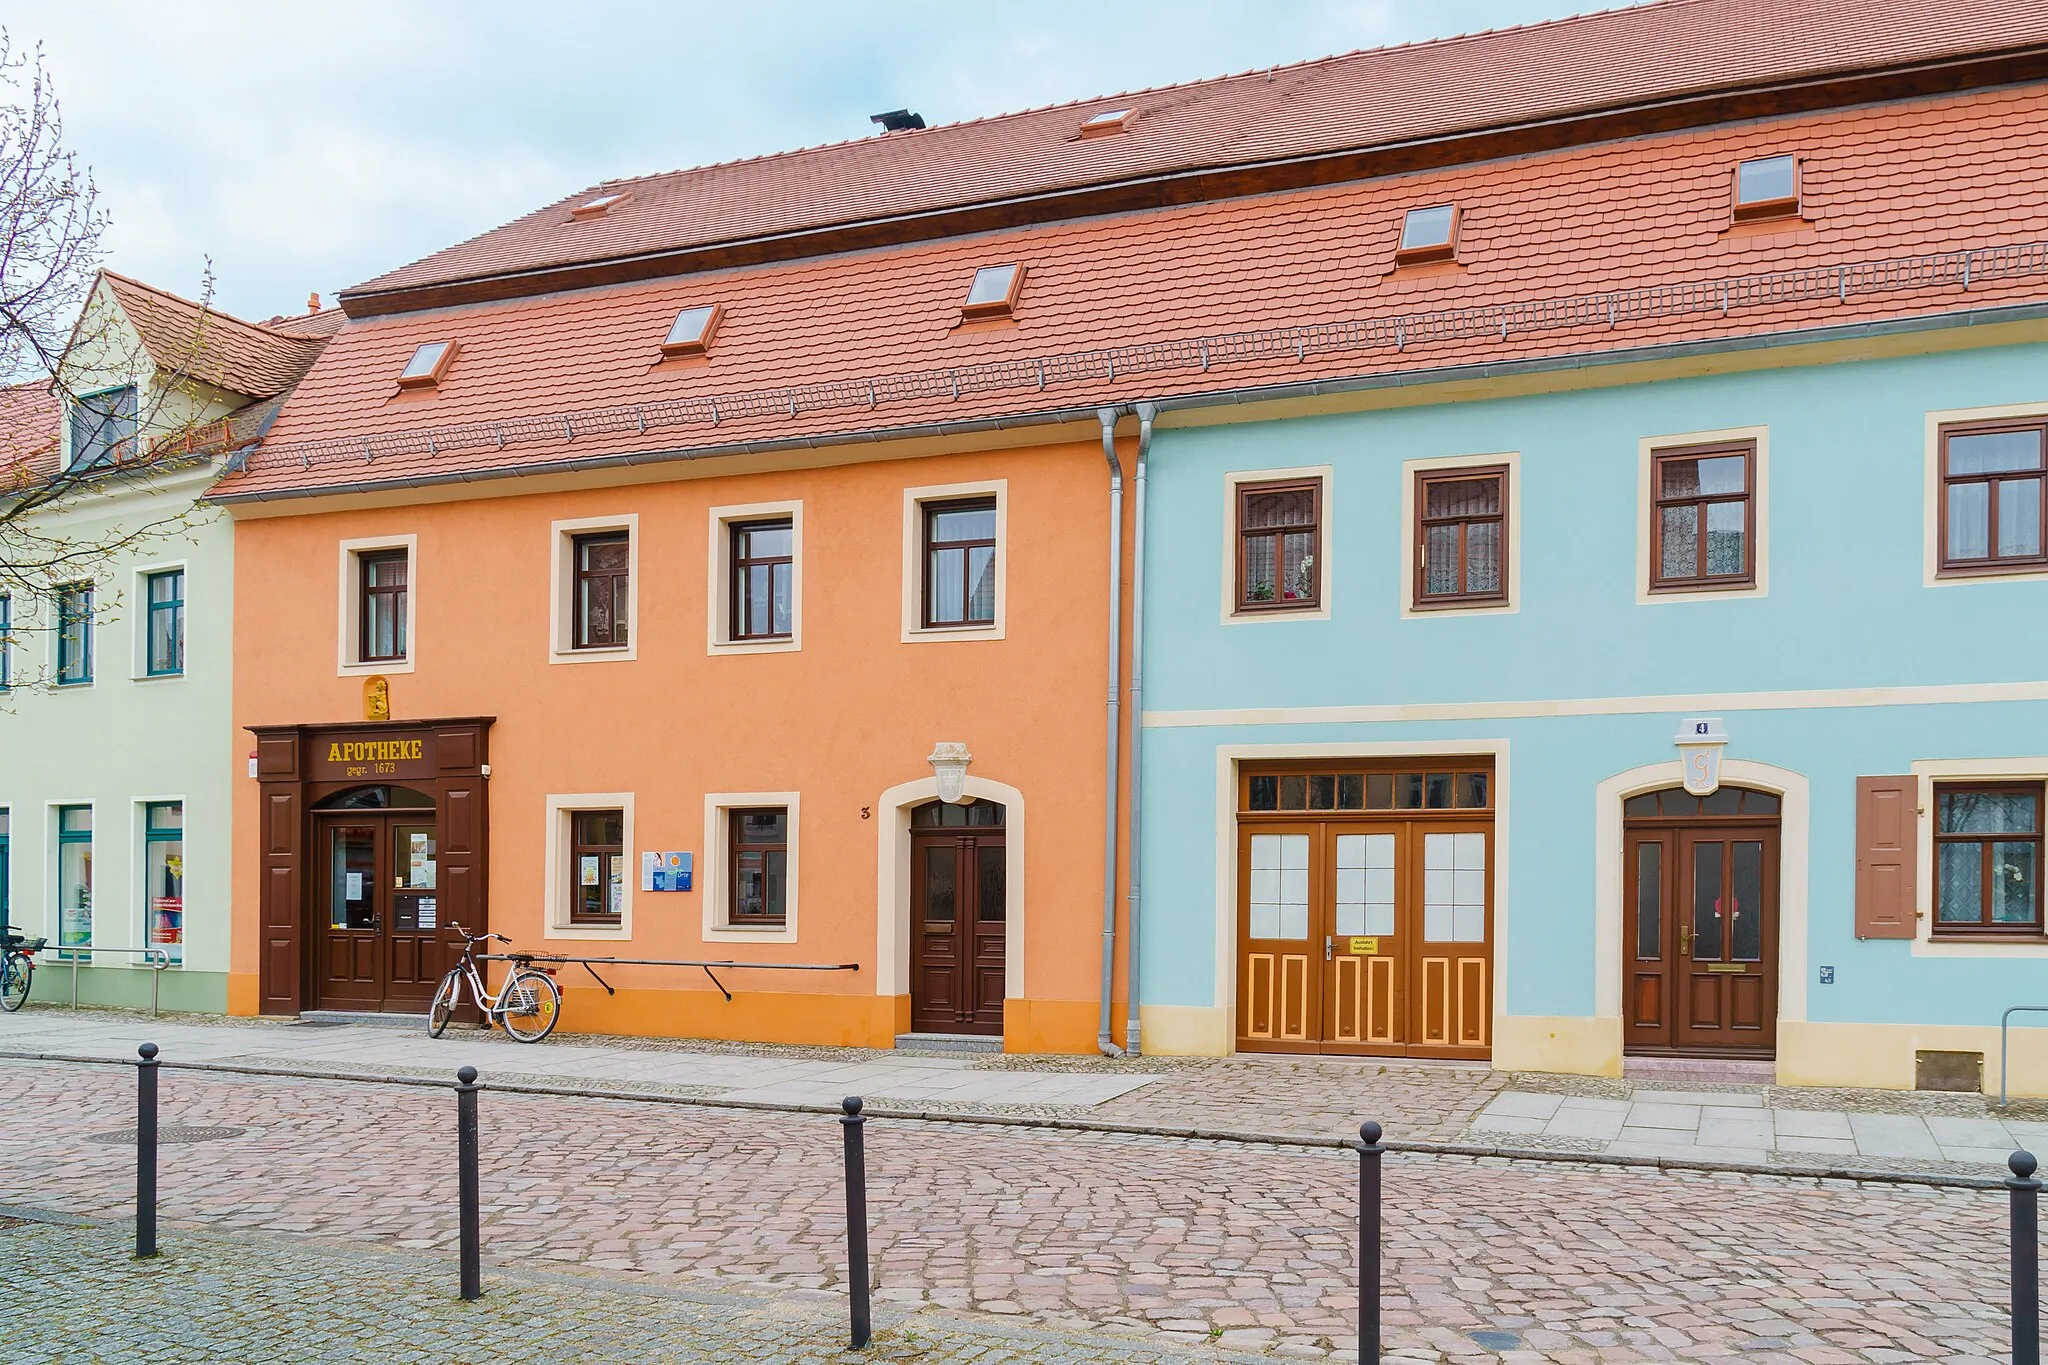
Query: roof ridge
[[1249, 73], [205, 308]]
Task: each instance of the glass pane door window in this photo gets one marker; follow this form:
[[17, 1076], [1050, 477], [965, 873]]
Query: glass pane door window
[[163, 895], [960, 564], [166, 630], [1279, 891], [1365, 885], [352, 872], [74, 878], [1454, 888], [414, 872]]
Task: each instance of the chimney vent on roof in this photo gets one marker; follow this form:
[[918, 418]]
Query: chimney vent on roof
[[312, 303], [897, 120]]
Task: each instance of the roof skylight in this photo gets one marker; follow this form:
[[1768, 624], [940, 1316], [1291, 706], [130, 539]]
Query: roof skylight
[[1429, 234], [993, 294], [692, 330], [429, 362], [1108, 121], [1767, 187], [601, 205]]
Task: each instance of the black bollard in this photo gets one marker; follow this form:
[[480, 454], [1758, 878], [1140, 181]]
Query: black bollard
[[472, 1215], [856, 1221], [145, 1152], [1369, 1153], [2024, 1196]]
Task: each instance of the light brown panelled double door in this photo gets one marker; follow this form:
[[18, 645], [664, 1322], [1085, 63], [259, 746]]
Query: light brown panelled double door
[[378, 911], [1700, 932], [959, 918], [1365, 911]]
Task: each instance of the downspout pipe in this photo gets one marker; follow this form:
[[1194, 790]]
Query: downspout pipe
[[1108, 416], [1146, 412]]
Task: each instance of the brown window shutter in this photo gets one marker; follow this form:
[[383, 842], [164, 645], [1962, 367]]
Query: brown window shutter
[[1887, 850]]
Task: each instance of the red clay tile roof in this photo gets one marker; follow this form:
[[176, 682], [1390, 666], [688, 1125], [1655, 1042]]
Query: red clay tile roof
[[1399, 95], [30, 432], [324, 323], [187, 338], [1933, 175]]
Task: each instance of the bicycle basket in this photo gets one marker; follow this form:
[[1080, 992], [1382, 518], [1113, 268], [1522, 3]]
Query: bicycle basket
[[17, 944]]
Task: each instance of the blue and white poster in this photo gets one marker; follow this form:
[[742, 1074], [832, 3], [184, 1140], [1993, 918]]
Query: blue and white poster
[[664, 872]]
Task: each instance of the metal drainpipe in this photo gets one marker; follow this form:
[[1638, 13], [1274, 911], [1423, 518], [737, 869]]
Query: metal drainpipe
[[1108, 416], [1146, 412]]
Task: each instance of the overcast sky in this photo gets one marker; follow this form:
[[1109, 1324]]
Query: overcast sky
[[304, 147]]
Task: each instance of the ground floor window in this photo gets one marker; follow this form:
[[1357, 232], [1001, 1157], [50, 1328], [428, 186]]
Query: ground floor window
[[597, 866], [759, 860], [1987, 872], [163, 885], [5, 879], [74, 877]]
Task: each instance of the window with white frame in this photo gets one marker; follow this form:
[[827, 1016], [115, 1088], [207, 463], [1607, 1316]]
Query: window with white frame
[[589, 872], [756, 576], [103, 427], [955, 561], [595, 610], [750, 855], [378, 600]]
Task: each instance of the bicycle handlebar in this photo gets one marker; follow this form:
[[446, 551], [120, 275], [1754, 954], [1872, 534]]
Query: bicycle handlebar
[[468, 937]]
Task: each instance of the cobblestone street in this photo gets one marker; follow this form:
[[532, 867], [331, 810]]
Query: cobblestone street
[[1168, 1241]]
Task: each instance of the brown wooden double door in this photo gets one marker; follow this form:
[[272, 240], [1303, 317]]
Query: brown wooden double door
[[959, 920], [1371, 937], [1700, 945], [377, 910]]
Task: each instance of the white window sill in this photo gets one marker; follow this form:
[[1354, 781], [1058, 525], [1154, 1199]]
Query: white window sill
[[751, 933], [595, 654], [365, 670], [589, 932], [786, 645], [929, 634]]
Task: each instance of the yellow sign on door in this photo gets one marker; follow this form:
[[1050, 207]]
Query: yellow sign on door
[[1367, 946]]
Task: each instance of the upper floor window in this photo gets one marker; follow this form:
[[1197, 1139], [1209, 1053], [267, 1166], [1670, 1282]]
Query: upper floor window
[[603, 567], [1767, 187], [103, 427], [430, 361], [1987, 852], [384, 576], [1994, 493], [763, 579], [166, 627], [74, 634], [960, 563], [1461, 535], [992, 293], [1279, 532], [1703, 517]]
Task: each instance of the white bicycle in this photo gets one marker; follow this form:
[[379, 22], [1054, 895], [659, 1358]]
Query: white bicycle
[[527, 1005]]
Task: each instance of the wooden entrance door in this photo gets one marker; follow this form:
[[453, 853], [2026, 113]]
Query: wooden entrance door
[[1366, 930], [1700, 931], [378, 910], [959, 908]]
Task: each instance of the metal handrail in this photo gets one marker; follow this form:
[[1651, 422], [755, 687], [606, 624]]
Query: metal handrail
[[705, 964], [2005, 1039], [156, 959]]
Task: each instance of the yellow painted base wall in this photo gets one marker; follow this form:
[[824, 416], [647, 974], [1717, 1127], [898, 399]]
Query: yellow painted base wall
[[1570, 1044], [1185, 1031], [750, 1016], [244, 990], [1880, 1056], [1055, 1025]]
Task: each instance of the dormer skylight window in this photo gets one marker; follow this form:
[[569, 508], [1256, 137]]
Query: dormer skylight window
[[1106, 122], [1429, 234], [993, 294], [600, 206], [692, 331], [430, 360], [1767, 187]]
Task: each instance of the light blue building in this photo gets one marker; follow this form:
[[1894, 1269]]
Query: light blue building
[[1448, 814]]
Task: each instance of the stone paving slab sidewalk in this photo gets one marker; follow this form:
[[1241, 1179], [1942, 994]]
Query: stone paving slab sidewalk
[[1325, 1098], [77, 1297]]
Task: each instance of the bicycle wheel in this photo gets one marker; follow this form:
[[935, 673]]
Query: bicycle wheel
[[16, 972], [446, 995], [532, 1004]]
